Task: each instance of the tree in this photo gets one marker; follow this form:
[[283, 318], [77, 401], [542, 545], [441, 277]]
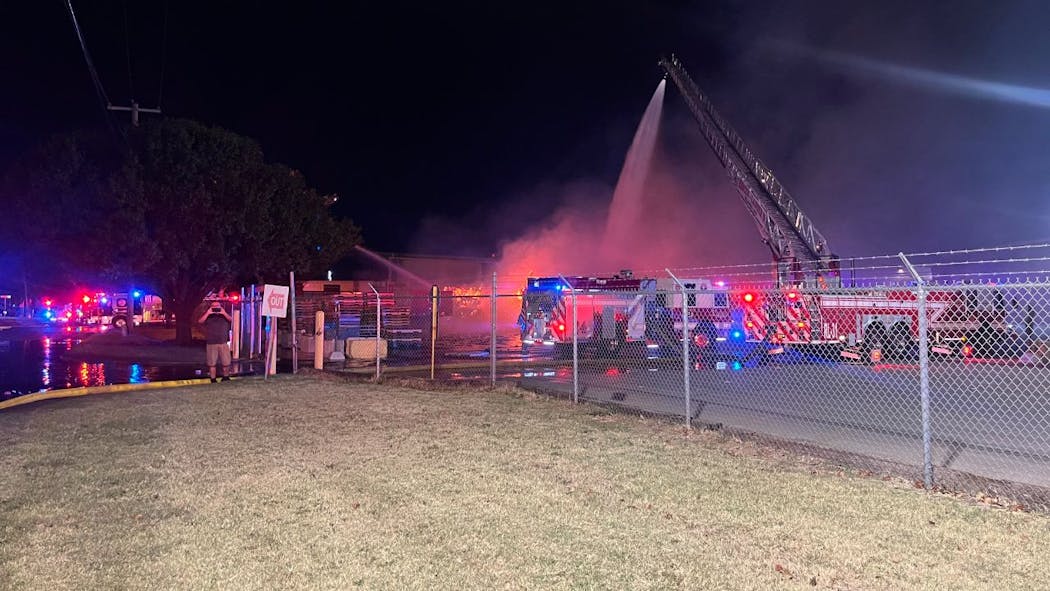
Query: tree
[[190, 208], [202, 208]]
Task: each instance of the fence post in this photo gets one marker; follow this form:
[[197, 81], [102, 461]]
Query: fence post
[[249, 322], [257, 327], [492, 343], [924, 375], [685, 352], [433, 327], [295, 333], [319, 339], [379, 325], [235, 340]]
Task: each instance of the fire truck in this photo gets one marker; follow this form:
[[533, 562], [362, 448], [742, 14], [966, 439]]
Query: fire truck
[[809, 306], [865, 321], [621, 314], [112, 308]]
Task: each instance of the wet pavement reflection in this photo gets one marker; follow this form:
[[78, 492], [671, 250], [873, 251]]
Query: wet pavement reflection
[[35, 364]]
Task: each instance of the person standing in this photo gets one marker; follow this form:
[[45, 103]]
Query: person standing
[[217, 323]]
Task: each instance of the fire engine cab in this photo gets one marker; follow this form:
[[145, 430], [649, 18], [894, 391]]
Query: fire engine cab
[[620, 313]]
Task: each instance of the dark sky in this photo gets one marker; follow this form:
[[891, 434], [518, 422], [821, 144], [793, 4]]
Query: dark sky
[[448, 127]]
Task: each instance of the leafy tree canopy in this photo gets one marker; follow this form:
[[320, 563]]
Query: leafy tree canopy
[[185, 207]]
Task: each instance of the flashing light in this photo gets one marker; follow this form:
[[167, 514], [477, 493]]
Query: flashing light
[[235, 298], [720, 283], [69, 314], [561, 327], [749, 297], [136, 294], [750, 324], [47, 314], [967, 351], [737, 366], [48, 303], [104, 300], [801, 325], [701, 340], [737, 335], [792, 295], [86, 299]]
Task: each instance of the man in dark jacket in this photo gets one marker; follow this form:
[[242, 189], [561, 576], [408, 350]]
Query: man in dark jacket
[[217, 336]]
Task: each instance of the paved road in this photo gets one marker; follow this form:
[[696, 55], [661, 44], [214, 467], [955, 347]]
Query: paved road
[[988, 420]]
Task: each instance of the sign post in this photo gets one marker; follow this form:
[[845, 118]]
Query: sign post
[[274, 305]]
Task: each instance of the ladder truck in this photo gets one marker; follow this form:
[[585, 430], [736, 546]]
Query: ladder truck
[[806, 308]]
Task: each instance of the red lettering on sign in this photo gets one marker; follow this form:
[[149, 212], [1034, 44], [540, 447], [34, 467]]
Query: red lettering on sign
[[276, 301]]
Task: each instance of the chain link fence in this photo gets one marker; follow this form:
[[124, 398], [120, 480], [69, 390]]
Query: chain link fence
[[935, 371]]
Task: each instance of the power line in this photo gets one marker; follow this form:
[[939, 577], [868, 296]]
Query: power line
[[99, 89]]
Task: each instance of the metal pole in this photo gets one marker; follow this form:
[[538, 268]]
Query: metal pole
[[575, 344], [379, 323], [236, 340], [243, 318], [295, 333], [260, 333], [924, 376], [492, 340], [271, 350], [433, 326], [685, 352], [319, 339], [251, 325]]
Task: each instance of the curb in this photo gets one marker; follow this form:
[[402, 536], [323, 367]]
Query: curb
[[110, 389]]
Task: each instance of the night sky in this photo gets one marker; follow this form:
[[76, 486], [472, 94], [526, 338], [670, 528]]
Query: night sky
[[449, 127]]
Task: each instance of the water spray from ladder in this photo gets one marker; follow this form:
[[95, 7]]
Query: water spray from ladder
[[625, 212], [396, 268]]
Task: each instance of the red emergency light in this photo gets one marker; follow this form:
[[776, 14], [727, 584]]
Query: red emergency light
[[749, 297], [86, 299], [792, 295], [47, 302], [235, 298]]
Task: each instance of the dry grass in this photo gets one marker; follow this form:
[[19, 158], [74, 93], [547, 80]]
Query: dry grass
[[307, 484]]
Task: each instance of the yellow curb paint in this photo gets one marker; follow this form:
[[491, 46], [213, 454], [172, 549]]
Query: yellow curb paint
[[110, 389]]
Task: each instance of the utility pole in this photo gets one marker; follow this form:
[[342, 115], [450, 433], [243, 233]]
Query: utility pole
[[135, 110]]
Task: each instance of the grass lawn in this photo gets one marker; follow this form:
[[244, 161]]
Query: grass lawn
[[298, 483]]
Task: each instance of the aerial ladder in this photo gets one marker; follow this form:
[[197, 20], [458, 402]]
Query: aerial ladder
[[801, 254]]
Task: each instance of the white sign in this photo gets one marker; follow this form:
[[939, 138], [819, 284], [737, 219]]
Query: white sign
[[275, 301]]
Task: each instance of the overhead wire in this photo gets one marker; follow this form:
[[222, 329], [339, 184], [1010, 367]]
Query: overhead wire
[[99, 89]]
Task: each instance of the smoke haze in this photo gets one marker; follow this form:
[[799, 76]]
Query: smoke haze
[[881, 162]]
